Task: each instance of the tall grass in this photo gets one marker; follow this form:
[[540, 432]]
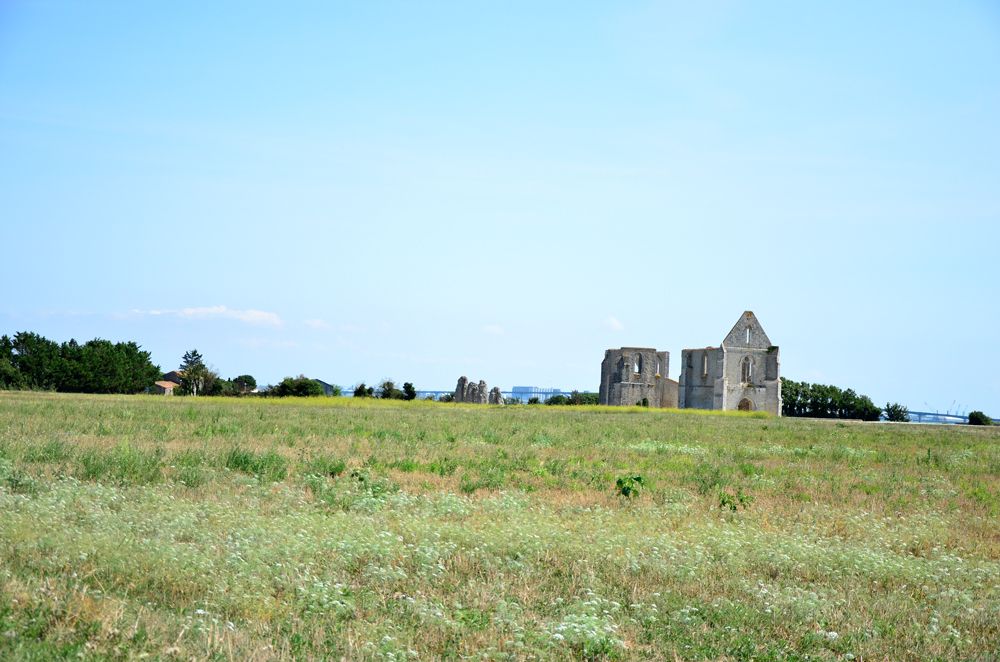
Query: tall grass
[[328, 528]]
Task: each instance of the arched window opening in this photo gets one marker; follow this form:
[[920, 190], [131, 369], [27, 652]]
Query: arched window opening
[[637, 364], [748, 335], [704, 365], [746, 368], [657, 367]]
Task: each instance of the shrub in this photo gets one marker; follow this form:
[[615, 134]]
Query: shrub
[[629, 486], [979, 418], [734, 500], [362, 391]]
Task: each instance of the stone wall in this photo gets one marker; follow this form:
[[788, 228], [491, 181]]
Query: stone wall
[[711, 377], [743, 373], [630, 375], [701, 370]]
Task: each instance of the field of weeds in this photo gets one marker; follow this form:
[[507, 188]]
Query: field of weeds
[[251, 529]]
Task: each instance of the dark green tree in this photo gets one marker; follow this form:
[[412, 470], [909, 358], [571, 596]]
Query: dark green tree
[[244, 384], [10, 376], [362, 391], [896, 413], [409, 392], [387, 391], [191, 358], [300, 386], [194, 373], [585, 398], [979, 418], [38, 361]]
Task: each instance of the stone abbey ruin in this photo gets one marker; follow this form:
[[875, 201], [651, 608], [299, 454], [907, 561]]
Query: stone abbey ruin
[[743, 373]]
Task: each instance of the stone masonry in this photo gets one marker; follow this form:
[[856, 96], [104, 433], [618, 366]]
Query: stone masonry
[[637, 376], [466, 391], [743, 373]]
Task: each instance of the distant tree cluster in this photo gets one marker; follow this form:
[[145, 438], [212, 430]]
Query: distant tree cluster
[[198, 379], [979, 418], [30, 361], [574, 398], [822, 401], [386, 391], [300, 387]]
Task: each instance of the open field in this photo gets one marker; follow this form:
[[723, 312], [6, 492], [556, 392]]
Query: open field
[[250, 529]]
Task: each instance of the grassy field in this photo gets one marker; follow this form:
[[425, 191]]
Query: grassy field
[[249, 529]]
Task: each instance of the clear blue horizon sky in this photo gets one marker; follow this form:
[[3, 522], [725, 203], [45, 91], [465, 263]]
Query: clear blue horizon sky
[[362, 190]]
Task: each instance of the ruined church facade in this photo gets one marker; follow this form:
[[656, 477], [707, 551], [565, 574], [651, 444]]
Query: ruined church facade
[[743, 373]]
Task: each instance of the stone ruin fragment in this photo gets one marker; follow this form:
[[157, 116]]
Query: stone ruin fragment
[[466, 391]]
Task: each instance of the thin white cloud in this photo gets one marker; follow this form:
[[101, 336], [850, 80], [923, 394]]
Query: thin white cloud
[[493, 329], [319, 325], [614, 324], [248, 316]]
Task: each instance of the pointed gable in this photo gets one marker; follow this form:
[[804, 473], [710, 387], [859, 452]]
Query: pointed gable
[[738, 336]]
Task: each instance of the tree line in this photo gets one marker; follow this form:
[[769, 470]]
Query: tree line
[[31, 361], [825, 401], [387, 391]]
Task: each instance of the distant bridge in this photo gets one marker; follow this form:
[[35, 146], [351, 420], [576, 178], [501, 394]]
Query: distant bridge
[[937, 417]]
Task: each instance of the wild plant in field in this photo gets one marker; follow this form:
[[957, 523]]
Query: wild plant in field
[[629, 487], [734, 500]]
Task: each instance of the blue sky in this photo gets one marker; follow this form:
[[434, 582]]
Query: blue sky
[[419, 191]]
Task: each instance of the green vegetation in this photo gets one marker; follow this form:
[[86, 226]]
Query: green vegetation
[[574, 398], [30, 361], [362, 391], [300, 386], [896, 413], [823, 401], [387, 391], [321, 528], [979, 418]]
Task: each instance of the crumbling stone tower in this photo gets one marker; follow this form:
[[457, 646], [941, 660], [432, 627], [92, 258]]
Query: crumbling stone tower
[[631, 375]]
